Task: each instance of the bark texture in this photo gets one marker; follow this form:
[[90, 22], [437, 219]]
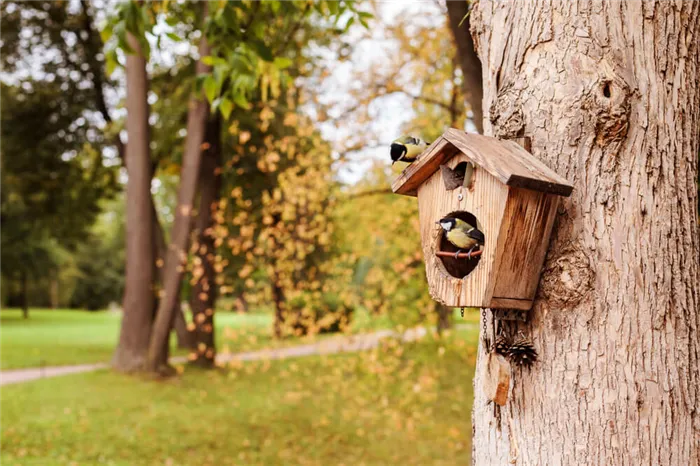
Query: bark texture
[[177, 250], [203, 299], [608, 93], [468, 59], [138, 293]]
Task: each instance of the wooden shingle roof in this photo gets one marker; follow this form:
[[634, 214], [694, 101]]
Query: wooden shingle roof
[[505, 160]]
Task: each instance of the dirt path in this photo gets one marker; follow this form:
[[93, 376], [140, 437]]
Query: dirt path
[[352, 343]]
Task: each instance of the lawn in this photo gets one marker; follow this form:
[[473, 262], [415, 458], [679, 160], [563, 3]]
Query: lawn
[[398, 404], [61, 337]]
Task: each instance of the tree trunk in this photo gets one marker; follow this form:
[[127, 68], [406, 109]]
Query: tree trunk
[[184, 337], [177, 250], [53, 289], [468, 60], [138, 294], [25, 295], [443, 313], [92, 42], [203, 299], [278, 298], [608, 93]]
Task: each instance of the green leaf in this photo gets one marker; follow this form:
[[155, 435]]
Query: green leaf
[[348, 24], [333, 7], [213, 61], [262, 50], [240, 100], [210, 88], [106, 33], [111, 62], [174, 37], [225, 106], [365, 14], [282, 63]]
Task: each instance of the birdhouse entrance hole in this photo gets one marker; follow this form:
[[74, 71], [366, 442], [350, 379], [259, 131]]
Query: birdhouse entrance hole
[[458, 268]]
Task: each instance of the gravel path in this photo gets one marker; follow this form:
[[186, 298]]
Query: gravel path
[[352, 343]]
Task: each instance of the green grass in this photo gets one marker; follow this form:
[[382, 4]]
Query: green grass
[[398, 404], [61, 337], [64, 337]]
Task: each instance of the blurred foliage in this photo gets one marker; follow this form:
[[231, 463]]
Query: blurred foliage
[[52, 178]]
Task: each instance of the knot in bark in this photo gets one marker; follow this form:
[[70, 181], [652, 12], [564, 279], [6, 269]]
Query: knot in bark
[[506, 113], [608, 106], [567, 279]]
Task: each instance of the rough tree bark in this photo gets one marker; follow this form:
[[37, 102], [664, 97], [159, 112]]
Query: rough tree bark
[[138, 294], [203, 299], [608, 93], [177, 250], [468, 60]]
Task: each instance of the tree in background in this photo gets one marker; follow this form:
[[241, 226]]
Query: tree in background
[[242, 64], [616, 320]]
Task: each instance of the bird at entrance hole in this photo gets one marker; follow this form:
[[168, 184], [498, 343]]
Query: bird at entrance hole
[[406, 149], [461, 234]]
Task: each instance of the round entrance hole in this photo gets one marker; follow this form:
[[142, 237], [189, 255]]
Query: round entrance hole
[[458, 268]]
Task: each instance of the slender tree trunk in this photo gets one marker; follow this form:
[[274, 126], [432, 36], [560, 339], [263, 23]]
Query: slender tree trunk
[[92, 42], [25, 295], [608, 93], [278, 298], [177, 250], [443, 313], [184, 337], [138, 295], [468, 60], [53, 289], [203, 299]]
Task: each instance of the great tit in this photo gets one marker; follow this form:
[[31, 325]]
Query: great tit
[[461, 234], [406, 149]]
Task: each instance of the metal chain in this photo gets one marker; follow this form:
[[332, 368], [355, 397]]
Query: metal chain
[[461, 311], [483, 320]]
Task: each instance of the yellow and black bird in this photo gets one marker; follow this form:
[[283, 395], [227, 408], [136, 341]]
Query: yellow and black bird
[[462, 234], [406, 149]]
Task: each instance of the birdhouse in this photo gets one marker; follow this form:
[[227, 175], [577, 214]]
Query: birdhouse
[[498, 187]]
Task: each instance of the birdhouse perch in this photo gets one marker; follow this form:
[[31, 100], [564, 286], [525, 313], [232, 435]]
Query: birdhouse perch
[[505, 192]]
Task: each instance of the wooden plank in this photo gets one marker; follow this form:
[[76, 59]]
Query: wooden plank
[[509, 162], [507, 303], [523, 242], [486, 200]]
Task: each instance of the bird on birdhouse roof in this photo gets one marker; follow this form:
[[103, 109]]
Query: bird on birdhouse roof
[[406, 149]]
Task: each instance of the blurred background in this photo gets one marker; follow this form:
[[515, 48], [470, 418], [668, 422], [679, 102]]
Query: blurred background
[[294, 244]]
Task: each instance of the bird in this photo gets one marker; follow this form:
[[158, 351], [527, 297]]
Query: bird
[[461, 234], [406, 149]]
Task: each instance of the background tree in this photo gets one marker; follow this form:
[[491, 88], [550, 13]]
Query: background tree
[[616, 321]]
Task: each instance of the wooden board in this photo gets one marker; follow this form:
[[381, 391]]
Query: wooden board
[[487, 201], [523, 241], [505, 160]]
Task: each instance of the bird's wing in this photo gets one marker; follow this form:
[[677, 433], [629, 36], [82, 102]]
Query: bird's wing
[[477, 235]]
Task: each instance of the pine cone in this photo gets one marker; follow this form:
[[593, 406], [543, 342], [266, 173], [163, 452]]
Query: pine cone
[[522, 352], [502, 345]]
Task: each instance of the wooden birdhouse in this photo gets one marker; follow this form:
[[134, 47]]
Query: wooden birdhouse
[[505, 192]]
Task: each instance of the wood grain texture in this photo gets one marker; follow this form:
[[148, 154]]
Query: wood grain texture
[[486, 200], [523, 240]]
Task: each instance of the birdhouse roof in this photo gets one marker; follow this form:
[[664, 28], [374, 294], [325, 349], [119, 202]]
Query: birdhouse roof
[[505, 160]]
